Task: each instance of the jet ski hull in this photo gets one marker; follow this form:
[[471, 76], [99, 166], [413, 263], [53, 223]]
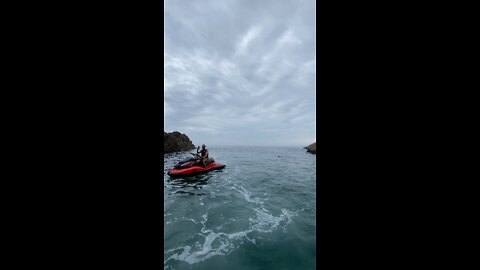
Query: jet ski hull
[[194, 170]]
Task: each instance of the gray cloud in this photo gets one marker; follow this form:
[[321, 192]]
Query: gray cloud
[[240, 72]]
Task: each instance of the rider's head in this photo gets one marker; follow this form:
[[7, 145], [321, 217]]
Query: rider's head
[[203, 146]]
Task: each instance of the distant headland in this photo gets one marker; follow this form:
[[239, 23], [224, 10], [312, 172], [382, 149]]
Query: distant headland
[[312, 148], [176, 141]]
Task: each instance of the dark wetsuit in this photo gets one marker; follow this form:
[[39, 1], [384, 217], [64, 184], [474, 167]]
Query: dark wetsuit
[[204, 154]]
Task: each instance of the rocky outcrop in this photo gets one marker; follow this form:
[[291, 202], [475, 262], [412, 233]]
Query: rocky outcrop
[[176, 141], [312, 148]]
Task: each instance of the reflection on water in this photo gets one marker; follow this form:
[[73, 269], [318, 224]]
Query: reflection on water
[[195, 181], [189, 193], [190, 185]]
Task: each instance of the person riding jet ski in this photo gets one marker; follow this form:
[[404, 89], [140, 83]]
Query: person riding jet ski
[[204, 155], [200, 163]]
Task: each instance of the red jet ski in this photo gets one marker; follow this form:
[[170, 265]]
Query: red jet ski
[[192, 166]]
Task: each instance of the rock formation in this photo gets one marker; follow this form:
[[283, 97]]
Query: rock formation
[[176, 141], [312, 148]]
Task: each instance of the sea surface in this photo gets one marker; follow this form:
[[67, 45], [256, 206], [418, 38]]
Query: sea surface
[[259, 212]]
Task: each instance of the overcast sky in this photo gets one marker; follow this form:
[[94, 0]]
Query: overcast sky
[[240, 72]]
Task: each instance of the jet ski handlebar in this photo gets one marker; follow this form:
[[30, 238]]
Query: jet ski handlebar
[[197, 155]]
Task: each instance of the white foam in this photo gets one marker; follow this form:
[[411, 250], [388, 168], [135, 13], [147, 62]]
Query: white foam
[[265, 222], [247, 195], [206, 251], [222, 243], [191, 219]]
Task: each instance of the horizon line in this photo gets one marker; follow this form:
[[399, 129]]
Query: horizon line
[[246, 145]]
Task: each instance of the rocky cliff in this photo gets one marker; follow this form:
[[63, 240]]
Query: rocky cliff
[[176, 141], [312, 148]]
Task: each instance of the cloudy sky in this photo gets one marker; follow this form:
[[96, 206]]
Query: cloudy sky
[[240, 72]]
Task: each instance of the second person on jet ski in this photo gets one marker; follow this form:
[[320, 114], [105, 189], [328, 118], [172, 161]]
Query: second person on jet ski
[[204, 155]]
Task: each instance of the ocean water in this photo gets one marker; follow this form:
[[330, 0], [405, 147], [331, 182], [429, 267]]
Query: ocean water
[[259, 212]]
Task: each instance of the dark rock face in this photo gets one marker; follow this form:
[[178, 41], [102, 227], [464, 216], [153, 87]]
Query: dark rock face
[[312, 148], [176, 141]]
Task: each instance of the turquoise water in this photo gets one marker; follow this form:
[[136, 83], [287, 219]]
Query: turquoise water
[[257, 213]]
